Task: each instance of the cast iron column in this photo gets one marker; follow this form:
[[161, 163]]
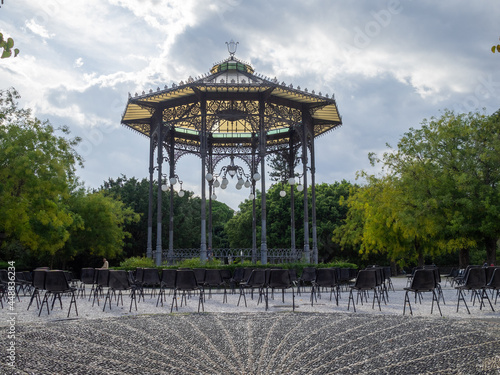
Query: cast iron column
[[262, 151], [171, 161], [159, 250], [149, 248], [313, 208], [254, 219], [292, 196], [203, 149], [305, 122]]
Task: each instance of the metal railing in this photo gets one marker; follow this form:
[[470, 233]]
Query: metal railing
[[227, 256]]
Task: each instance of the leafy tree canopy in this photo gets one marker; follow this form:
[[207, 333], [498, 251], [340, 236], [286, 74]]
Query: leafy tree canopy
[[37, 170], [7, 45], [439, 193]]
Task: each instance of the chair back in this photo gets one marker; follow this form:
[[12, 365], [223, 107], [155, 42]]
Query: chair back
[[103, 277], [345, 275], [379, 275], [87, 276], [139, 272], [20, 277], [213, 277], [326, 277], [150, 276], [118, 280], [308, 274], [489, 273], [28, 276], [257, 278], [437, 274], [55, 281], [200, 275], [367, 279], [4, 276], [39, 279], [186, 280], [423, 279], [387, 273], [293, 274], [279, 278], [495, 279], [226, 275], [476, 278], [168, 278], [238, 275], [246, 274]]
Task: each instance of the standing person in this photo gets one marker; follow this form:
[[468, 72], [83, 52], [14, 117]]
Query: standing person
[[106, 264]]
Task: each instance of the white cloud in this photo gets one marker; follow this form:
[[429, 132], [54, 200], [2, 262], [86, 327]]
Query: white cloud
[[92, 53], [78, 63], [37, 29]]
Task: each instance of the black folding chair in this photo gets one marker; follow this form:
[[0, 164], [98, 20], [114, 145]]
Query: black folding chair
[[326, 278], [118, 281], [56, 285], [168, 277], [475, 282], [366, 281], [185, 283], [424, 280]]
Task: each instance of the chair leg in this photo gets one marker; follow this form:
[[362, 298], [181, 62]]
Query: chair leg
[[242, 293], [375, 295], [160, 297], [133, 298], [174, 299], [45, 301], [200, 301], [407, 301], [484, 295], [461, 297], [108, 298], [351, 297], [73, 300], [435, 298]]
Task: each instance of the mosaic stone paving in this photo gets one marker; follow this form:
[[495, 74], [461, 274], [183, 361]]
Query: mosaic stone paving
[[257, 343]]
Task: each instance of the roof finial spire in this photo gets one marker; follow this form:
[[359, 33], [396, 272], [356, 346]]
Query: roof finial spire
[[231, 47]]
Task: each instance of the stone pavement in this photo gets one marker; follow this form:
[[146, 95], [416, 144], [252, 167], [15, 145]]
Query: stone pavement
[[226, 339]]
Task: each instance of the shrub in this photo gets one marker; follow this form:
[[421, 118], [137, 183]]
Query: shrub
[[137, 262]]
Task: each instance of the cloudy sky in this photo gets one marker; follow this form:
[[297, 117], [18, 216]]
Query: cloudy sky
[[390, 64]]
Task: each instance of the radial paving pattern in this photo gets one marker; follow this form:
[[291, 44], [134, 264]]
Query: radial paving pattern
[[258, 343]]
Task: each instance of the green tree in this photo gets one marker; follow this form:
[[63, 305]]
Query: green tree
[[37, 170], [101, 230], [7, 46], [187, 209], [329, 214], [440, 193], [495, 48]]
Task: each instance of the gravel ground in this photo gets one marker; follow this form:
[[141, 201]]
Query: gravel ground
[[227, 339]]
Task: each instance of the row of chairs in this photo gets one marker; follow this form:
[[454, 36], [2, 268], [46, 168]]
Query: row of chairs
[[55, 283], [476, 279]]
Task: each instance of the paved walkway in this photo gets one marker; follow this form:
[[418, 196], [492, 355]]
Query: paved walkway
[[226, 339], [258, 343]]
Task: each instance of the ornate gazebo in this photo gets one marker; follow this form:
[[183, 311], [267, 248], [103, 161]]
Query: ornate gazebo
[[234, 113]]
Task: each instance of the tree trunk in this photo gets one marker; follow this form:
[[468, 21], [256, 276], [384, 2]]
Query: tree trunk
[[394, 268], [491, 250], [420, 252], [463, 258]]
